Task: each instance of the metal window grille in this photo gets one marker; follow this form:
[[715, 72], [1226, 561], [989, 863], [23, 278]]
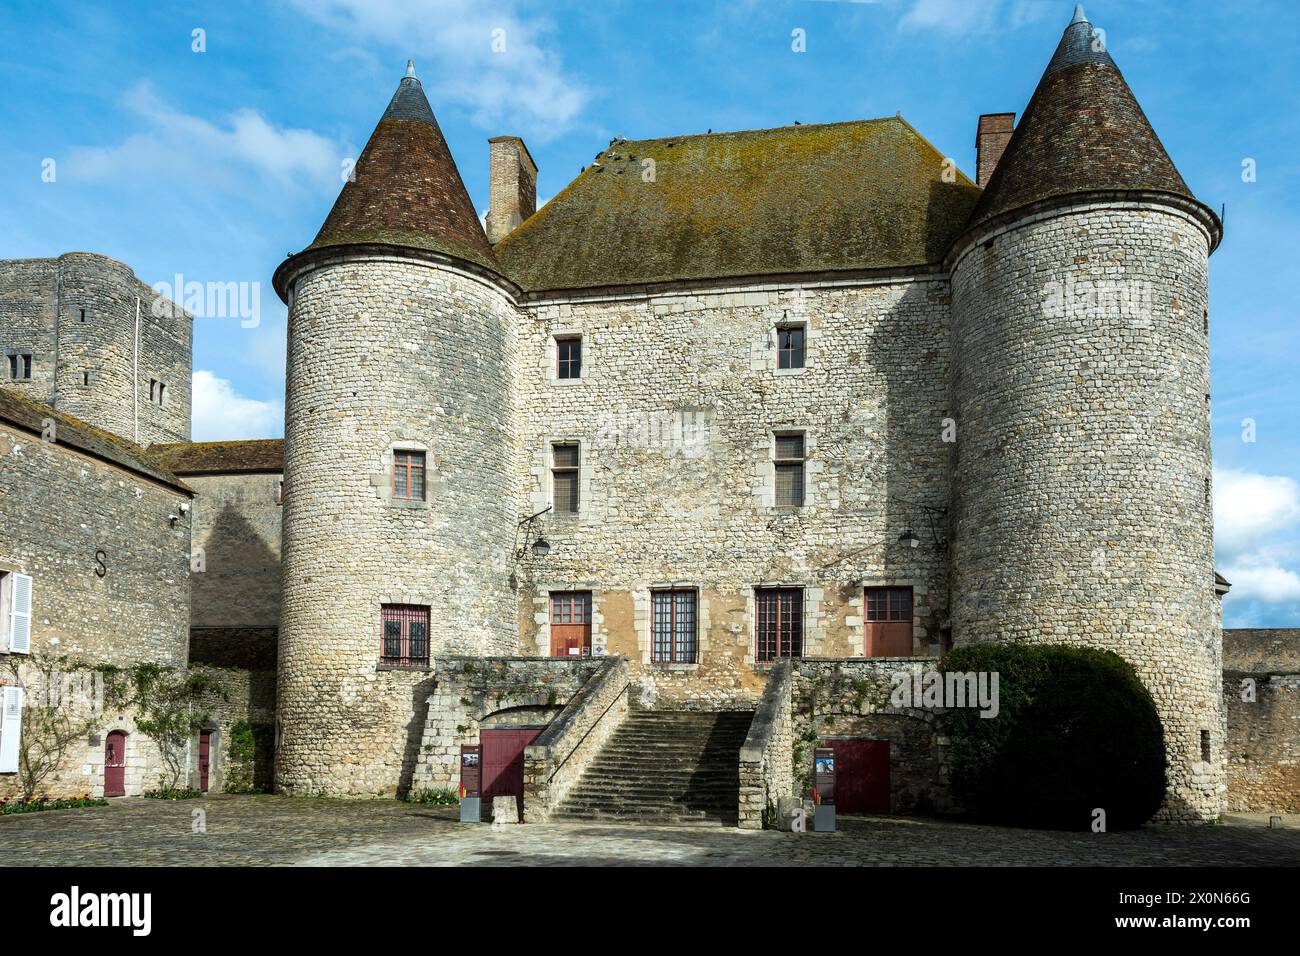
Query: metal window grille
[[408, 475], [564, 478], [405, 640], [780, 623], [568, 353], [789, 467], [790, 346], [673, 639]]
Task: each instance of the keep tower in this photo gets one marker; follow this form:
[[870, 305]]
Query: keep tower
[[402, 339], [1081, 388]]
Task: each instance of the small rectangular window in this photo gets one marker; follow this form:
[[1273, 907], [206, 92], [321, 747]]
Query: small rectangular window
[[789, 464], [162, 393], [790, 346], [405, 639], [672, 627], [779, 629], [279, 492], [568, 357], [13, 366], [408, 475], [153, 390], [20, 365], [85, 377], [1205, 746], [565, 478], [83, 314]]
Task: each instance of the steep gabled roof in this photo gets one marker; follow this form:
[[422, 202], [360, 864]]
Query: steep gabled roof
[[221, 457], [23, 413], [797, 199], [1083, 131], [406, 189]]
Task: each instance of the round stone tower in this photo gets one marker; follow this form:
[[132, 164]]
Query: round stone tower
[[1081, 386], [399, 460]]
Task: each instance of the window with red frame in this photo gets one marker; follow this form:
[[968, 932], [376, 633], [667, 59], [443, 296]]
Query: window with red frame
[[780, 623], [672, 627], [405, 641], [408, 475]]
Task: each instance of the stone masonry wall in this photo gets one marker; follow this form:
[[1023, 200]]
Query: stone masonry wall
[[1261, 690], [767, 757], [236, 525], [675, 413], [60, 507], [1082, 469], [388, 353], [77, 315]]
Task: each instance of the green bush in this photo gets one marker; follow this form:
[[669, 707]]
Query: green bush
[[442, 798], [165, 792], [37, 804], [1076, 730]]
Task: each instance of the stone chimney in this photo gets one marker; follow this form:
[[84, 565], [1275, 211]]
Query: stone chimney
[[513, 190], [994, 133]]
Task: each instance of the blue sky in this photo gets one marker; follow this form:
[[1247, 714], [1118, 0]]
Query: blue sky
[[214, 164]]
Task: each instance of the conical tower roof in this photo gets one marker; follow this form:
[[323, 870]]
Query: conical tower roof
[[406, 189], [1083, 131]]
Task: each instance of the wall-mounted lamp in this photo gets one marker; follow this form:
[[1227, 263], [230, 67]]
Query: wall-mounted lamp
[[541, 547]]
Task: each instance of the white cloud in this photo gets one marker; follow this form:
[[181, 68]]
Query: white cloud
[[174, 145], [222, 414], [1263, 581], [519, 87], [1249, 506]]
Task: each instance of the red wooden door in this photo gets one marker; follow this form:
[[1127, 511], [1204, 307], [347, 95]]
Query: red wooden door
[[571, 624], [115, 764], [888, 622], [861, 775], [503, 762], [205, 757]]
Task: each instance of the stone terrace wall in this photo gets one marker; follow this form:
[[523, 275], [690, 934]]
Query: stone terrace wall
[[469, 691], [675, 414], [767, 757], [1261, 688], [851, 699]]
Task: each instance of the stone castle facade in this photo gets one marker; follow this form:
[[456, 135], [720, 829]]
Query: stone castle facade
[[801, 393]]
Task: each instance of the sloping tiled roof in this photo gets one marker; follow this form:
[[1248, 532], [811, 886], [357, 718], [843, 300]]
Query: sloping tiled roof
[[216, 457], [797, 199], [21, 412], [1082, 131], [406, 189]]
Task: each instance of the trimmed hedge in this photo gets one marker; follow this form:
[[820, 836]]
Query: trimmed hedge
[[1076, 730]]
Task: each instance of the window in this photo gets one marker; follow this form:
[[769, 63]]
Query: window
[[789, 470], [20, 365], [568, 357], [406, 635], [888, 613], [279, 492], [790, 346], [156, 391], [564, 478], [780, 623], [85, 377], [11, 727], [408, 475], [83, 314], [672, 627], [1205, 746], [15, 613], [162, 392], [570, 623]]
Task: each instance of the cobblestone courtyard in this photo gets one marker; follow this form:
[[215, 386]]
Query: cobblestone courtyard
[[271, 831]]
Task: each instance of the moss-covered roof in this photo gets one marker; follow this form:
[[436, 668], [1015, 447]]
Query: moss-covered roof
[[1083, 131], [406, 189], [798, 199], [20, 411], [217, 457]]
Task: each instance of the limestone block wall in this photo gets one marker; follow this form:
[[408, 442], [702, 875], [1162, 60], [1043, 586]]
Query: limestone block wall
[[767, 757], [236, 525], [388, 353], [77, 314], [675, 415], [241, 695], [1261, 691], [1082, 467]]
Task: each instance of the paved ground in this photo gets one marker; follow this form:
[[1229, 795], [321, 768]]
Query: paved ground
[[268, 830]]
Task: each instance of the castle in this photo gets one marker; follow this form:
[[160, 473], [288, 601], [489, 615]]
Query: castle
[[731, 413]]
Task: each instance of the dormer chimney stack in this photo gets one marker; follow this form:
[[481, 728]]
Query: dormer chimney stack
[[995, 131], [512, 193]]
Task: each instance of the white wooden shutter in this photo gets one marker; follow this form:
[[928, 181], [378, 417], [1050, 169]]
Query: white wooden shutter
[[11, 728], [20, 614]]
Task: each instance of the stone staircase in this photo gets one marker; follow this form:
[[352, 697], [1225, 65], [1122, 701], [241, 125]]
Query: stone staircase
[[669, 767]]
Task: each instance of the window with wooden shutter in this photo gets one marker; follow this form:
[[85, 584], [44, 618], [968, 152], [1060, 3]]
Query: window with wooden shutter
[[888, 615], [790, 346], [18, 600], [408, 475], [11, 727], [672, 627], [789, 465], [404, 640], [564, 478], [570, 623], [779, 628], [568, 357]]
